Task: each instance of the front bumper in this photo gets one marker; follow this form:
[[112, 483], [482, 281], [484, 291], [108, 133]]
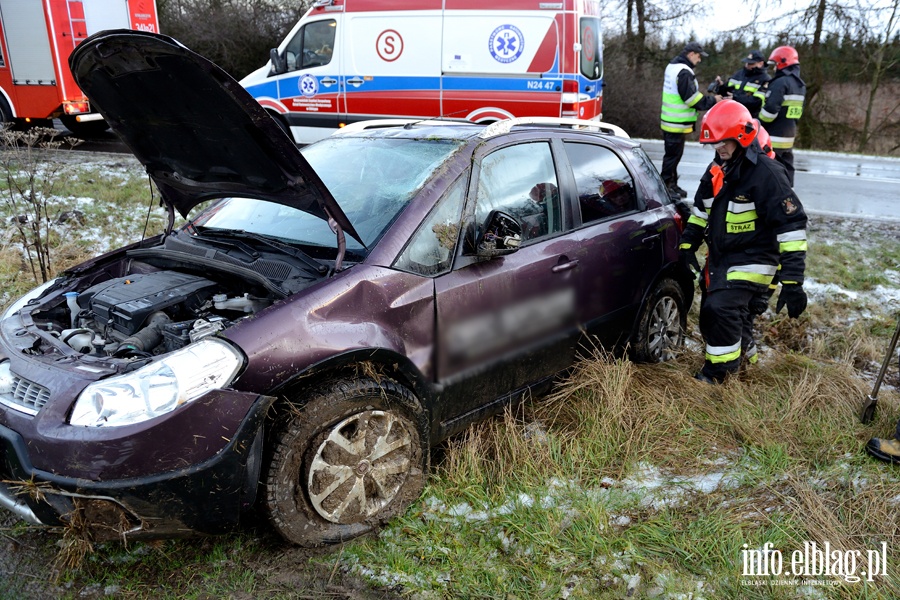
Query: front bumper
[[207, 497]]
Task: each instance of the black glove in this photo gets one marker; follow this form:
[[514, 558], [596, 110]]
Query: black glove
[[792, 296], [759, 303], [688, 260]]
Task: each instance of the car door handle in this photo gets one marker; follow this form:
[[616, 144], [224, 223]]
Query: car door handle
[[650, 238], [565, 266]]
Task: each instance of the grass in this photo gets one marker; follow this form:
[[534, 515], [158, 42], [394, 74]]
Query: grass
[[628, 481]]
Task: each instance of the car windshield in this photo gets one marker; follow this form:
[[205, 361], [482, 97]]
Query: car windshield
[[372, 179]]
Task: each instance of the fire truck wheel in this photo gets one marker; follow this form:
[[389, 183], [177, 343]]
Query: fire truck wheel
[[5, 112]]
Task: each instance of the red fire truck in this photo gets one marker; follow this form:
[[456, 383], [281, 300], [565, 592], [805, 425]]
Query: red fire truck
[[36, 38]]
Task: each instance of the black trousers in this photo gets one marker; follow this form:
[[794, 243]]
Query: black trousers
[[786, 157], [673, 147], [727, 328]]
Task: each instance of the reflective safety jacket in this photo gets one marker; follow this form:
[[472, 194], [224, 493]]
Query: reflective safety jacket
[[681, 97], [748, 86], [752, 221], [783, 107]]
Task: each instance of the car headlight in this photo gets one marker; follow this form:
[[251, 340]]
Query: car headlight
[[35, 293], [158, 388]]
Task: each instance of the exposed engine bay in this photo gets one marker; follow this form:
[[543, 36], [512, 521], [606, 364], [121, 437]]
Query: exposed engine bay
[[146, 314]]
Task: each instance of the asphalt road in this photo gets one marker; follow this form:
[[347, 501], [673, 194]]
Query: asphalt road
[[845, 185]]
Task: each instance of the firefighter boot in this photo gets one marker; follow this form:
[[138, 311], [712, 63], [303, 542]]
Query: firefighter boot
[[886, 449]]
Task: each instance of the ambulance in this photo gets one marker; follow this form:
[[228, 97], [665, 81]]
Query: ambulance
[[36, 38], [354, 60]]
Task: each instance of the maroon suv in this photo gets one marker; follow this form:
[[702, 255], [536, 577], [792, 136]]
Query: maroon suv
[[325, 316]]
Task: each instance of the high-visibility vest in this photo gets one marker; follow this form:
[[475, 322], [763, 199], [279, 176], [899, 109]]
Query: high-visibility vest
[[678, 116]]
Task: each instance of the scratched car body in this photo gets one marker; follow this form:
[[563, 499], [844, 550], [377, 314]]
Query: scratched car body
[[322, 317]]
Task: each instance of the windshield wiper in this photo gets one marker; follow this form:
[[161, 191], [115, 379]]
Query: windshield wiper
[[238, 244], [297, 253]]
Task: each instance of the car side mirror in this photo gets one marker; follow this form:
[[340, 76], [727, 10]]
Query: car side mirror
[[502, 235], [278, 64]]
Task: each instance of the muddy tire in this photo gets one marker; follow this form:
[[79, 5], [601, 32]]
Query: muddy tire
[[354, 457], [660, 330]]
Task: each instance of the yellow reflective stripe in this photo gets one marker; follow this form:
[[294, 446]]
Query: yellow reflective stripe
[[743, 217], [766, 116], [761, 274], [697, 221], [672, 128], [781, 142], [697, 97], [753, 358], [723, 354], [751, 277], [684, 246], [792, 246]]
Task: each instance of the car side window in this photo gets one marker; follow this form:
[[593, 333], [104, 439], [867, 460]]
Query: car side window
[[430, 250], [605, 187], [521, 181], [312, 46]]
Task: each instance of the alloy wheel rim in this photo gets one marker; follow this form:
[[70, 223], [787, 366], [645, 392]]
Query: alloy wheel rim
[[359, 467]]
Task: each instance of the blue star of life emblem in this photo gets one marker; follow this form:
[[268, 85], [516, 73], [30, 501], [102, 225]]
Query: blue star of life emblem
[[506, 43], [308, 85]]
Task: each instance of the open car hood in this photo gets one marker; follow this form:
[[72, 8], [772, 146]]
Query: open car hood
[[199, 134]]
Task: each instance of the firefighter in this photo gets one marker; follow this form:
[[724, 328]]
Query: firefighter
[[783, 105], [681, 101], [748, 86], [752, 221]]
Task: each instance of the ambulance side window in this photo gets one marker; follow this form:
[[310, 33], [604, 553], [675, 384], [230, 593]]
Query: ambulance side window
[[591, 56], [312, 46]]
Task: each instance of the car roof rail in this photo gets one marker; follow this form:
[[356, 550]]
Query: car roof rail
[[400, 122], [504, 126]]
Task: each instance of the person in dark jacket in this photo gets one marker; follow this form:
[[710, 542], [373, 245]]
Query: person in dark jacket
[[752, 222], [748, 86], [681, 101], [783, 105]]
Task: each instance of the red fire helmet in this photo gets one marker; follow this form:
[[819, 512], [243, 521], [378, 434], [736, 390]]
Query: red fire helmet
[[728, 120], [784, 56]]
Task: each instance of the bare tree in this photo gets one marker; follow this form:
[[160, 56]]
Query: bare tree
[[878, 26], [32, 170], [235, 34]]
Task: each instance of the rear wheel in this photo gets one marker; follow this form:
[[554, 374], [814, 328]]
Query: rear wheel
[[5, 114], [660, 330], [350, 460]]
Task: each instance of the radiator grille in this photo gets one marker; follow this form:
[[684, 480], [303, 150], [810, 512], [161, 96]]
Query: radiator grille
[[26, 396]]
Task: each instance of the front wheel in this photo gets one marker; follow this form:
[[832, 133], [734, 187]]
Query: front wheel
[[350, 460], [660, 329]]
